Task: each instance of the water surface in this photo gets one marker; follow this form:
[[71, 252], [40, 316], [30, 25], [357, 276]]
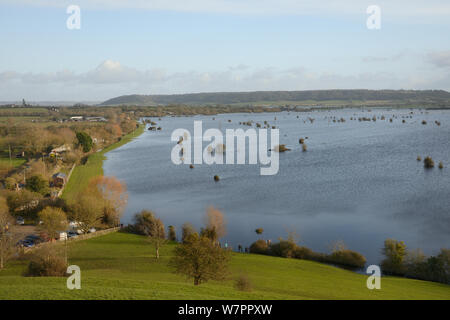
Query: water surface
[[358, 182]]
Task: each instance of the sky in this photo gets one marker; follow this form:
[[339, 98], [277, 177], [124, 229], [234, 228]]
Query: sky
[[183, 46]]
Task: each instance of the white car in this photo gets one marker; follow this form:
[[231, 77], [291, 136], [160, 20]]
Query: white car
[[92, 230], [20, 221]]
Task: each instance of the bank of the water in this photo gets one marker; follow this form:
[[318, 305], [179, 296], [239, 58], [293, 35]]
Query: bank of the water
[[94, 166]]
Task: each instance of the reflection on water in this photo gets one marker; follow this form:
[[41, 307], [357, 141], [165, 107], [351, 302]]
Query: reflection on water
[[358, 182]]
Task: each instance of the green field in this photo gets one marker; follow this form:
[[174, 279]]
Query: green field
[[14, 162], [122, 266], [94, 166]]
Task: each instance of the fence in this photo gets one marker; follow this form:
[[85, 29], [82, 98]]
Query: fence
[[77, 238]]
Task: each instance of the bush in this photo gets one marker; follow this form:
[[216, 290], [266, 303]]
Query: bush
[[441, 165], [47, 262], [304, 253], [259, 247], [243, 283], [284, 248], [347, 258]]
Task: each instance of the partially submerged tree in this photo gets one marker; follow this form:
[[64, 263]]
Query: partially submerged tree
[[200, 259], [395, 254]]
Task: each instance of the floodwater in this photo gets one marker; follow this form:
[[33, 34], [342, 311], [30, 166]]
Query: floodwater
[[359, 181]]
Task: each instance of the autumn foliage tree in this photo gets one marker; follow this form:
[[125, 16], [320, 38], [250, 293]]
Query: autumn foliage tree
[[113, 197]]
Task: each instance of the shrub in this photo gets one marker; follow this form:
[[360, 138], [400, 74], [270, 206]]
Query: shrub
[[284, 248], [216, 178], [428, 162], [304, 253], [243, 283], [441, 165], [47, 262], [347, 258], [419, 158], [259, 247], [304, 147]]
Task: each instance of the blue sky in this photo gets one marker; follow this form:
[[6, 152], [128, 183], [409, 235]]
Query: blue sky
[[172, 46]]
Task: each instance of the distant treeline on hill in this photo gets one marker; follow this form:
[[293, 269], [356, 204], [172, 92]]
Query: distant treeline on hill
[[277, 96]]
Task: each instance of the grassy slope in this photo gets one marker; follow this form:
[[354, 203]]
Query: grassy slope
[[94, 166], [121, 266]]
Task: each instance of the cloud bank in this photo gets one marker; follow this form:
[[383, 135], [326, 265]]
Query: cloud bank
[[111, 78]]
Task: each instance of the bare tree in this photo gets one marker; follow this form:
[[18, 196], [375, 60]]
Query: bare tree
[[215, 224], [7, 247]]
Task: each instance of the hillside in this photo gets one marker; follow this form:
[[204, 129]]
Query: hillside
[[122, 266], [261, 97]]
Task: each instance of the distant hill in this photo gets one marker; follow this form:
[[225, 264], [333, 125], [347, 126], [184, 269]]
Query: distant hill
[[264, 97]]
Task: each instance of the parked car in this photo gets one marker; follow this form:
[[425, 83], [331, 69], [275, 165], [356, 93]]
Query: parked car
[[20, 221], [72, 234], [33, 238], [25, 243], [92, 230]]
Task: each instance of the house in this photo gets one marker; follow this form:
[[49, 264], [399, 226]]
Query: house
[[96, 119], [59, 179]]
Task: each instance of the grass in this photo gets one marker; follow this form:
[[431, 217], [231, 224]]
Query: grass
[[94, 166], [14, 162], [122, 266]]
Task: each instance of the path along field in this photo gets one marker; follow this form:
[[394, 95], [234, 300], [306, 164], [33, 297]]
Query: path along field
[[94, 166], [122, 266]]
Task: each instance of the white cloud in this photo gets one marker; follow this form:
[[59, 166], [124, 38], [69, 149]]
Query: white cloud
[[112, 79], [440, 59]]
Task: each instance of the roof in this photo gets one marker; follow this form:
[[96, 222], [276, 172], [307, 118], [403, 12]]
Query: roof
[[60, 175]]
